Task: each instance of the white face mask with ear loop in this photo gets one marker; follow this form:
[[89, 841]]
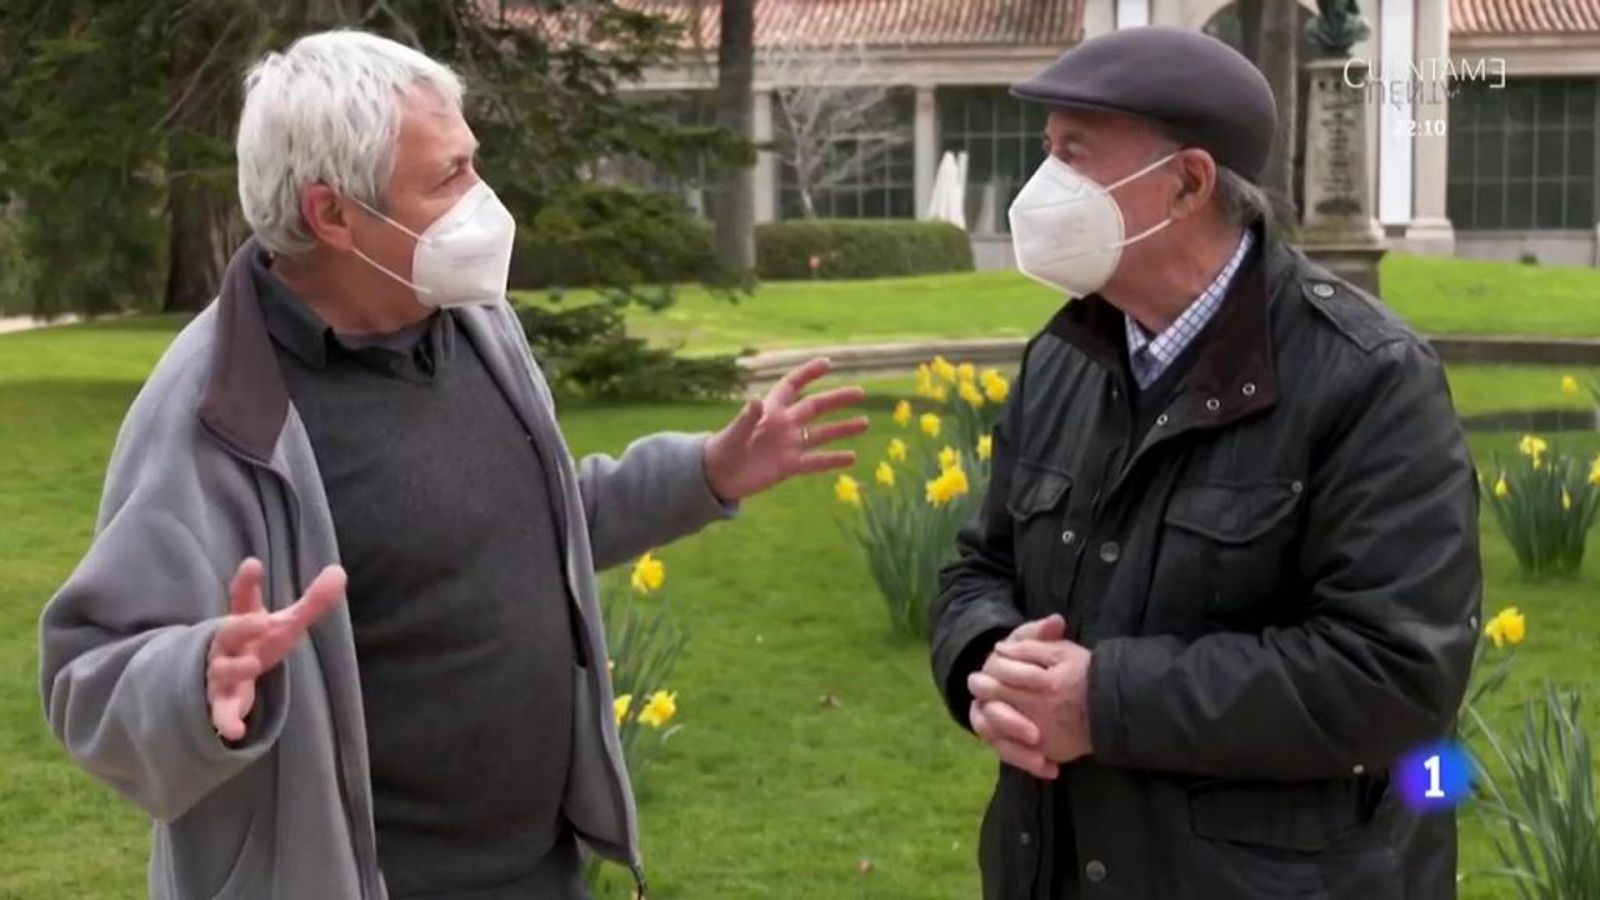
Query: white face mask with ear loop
[[1067, 230], [464, 257]]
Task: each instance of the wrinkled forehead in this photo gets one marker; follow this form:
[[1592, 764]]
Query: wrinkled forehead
[[1103, 131], [433, 132]]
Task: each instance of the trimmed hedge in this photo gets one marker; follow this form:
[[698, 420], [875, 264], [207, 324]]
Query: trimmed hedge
[[859, 248]]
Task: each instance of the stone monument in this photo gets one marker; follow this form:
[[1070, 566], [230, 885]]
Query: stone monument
[[1338, 228]]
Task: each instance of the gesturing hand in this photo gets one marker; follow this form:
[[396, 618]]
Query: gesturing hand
[[773, 439], [252, 641]]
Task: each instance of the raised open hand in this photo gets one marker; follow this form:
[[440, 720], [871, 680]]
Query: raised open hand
[[776, 438], [252, 641]]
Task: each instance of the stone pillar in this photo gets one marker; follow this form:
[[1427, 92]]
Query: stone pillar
[[1133, 13], [925, 147], [1430, 230], [1339, 229], [1098, 19], [766, 199], [1395, 94]]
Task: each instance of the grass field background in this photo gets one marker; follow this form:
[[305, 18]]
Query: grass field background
[[768, 791]]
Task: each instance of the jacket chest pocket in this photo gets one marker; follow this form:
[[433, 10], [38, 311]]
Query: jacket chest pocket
[[1045, 543], [1232, 542]]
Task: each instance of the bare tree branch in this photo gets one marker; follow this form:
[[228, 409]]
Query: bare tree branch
[[835, 121]]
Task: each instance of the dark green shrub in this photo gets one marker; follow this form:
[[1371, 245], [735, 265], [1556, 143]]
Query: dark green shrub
[[859, 248], [586, 354], [600, 235]]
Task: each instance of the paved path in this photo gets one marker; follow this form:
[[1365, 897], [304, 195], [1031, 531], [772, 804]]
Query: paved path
[[9, 324]]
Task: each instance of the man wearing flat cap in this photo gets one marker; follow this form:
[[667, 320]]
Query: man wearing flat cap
[[1226, 574]]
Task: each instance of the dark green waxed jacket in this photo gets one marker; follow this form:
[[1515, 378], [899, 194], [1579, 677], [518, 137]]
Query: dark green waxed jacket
[[1278, 575]]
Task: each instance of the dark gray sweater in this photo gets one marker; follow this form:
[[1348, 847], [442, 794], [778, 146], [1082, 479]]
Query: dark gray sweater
[[462, 622]]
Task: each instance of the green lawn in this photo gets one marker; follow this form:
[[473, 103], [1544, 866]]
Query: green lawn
[[1438, 296], [768, 791]]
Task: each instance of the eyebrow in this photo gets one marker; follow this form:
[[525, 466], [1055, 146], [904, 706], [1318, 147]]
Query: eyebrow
[[459, 160]]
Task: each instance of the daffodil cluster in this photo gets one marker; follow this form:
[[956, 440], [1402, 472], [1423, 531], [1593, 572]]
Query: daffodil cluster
[[1545, 500], [926, 484], [645, 642]]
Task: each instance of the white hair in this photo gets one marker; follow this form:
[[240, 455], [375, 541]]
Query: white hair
[[327, 110]]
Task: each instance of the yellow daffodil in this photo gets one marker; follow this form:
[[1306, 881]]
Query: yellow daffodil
[[660, 710], [1509, 626], [924, 380], [1533, 446], [931, 425], [949, 459], [967, 372], [1501, 489], [848, 490], [1566, 501], [995, 386], [1516, 626], [1594, 472], [985, 447], [971, 394], [897, 450], [620, 707], [885, 474], [1569, 385], [950, 484], [940, 394], [902, 413], [648, 574], [943, 369]]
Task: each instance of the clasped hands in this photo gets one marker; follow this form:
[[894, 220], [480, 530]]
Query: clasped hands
[[1030, 701]]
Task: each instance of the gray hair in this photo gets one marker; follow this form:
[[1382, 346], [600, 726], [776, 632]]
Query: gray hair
[[1240, 201], [327, 110]]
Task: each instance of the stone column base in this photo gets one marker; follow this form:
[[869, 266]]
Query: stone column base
[[1431, 237], [1355, 263]]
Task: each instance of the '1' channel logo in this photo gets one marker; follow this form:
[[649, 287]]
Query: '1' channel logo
[[1436, 777]]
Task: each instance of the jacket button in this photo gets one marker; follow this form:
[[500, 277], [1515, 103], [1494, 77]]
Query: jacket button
[[1068, 536], [1025, 838], [1213, 404], [1095, 871], [1359, 769], [1249, 389], [1161, 419], [1322, 289], [1110, 552]]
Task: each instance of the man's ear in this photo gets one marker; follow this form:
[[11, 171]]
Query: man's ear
[[325, 213], [1197, 180]]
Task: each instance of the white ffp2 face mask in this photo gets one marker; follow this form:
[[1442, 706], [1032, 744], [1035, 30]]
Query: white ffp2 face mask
[[464, 257], [1067, 230]]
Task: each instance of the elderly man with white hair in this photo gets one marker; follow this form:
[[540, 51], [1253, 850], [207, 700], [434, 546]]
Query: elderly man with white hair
[[337, 631]]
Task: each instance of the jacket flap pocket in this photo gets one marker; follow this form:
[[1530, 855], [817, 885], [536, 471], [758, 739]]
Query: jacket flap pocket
[[1303, 817], [1232, 513], [1036, 489]]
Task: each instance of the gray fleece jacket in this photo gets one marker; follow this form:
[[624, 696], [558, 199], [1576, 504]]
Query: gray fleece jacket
[[213, 465]]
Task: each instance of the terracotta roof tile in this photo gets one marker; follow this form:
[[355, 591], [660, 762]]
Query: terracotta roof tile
[[1511, 17], [910, 23]]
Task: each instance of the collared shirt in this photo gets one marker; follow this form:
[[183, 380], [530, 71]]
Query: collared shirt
[[1151, 355], [413, 353]]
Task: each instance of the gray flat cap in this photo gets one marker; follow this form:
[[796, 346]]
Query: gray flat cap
[[1204, 92]]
